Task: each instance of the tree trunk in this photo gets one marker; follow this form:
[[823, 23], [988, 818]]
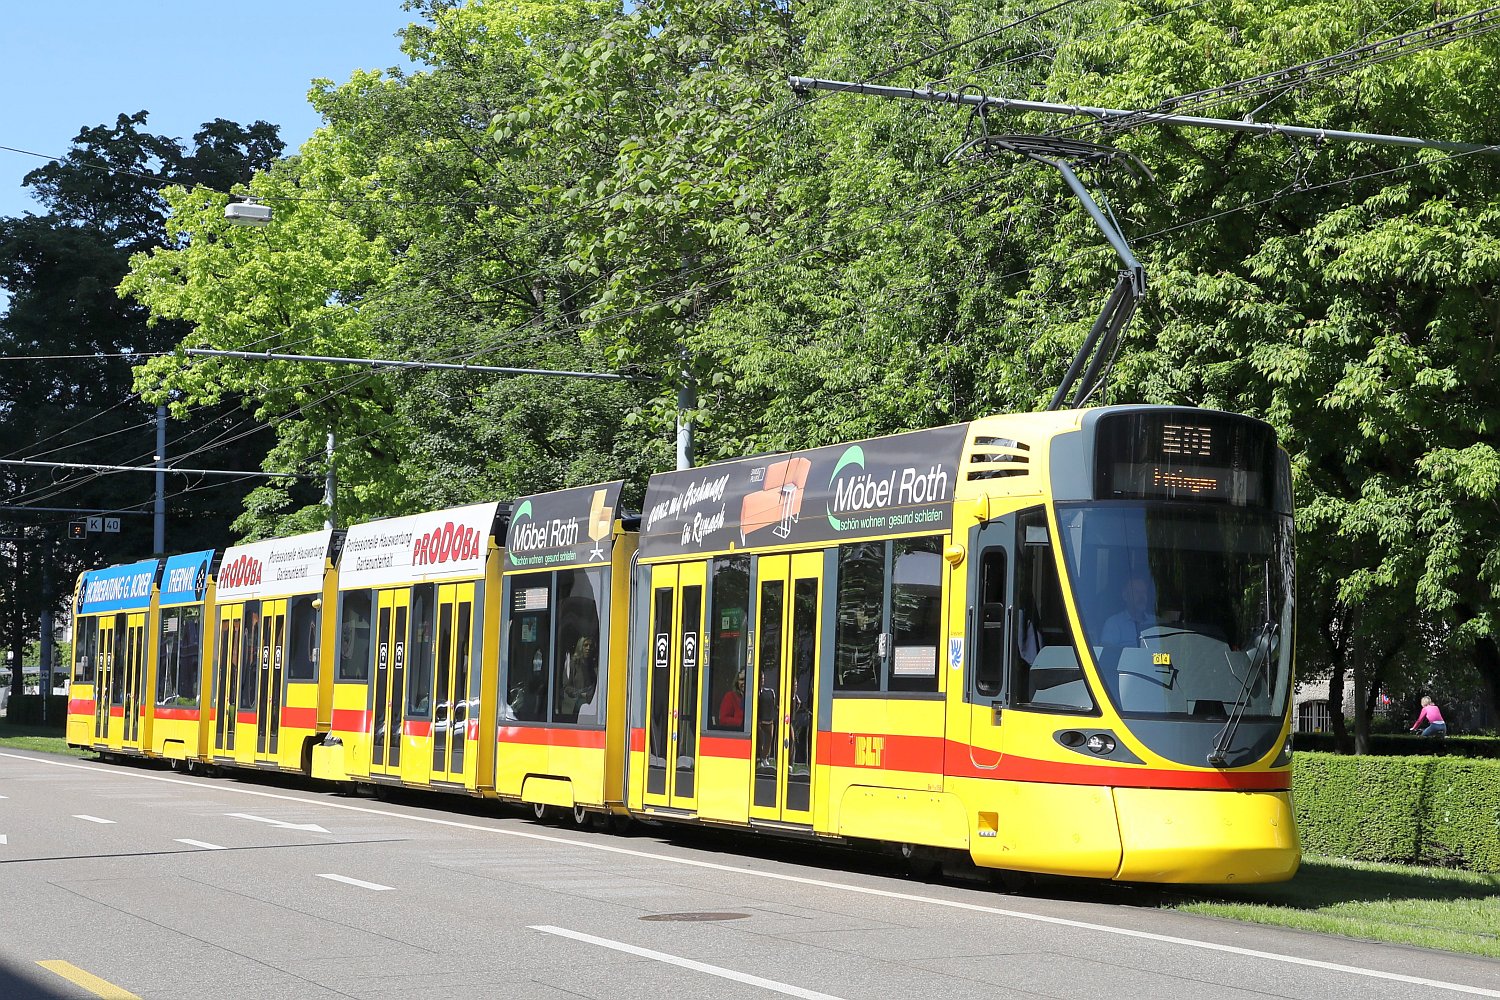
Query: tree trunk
[[1361, 711], [1336, 707], [1486, 663]]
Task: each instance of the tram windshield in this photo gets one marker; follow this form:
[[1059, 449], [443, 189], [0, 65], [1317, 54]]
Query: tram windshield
[[1188, 609]]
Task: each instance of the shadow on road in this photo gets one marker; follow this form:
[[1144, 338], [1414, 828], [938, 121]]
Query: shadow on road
[[28, 981]]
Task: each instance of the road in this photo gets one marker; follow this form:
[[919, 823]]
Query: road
[[121, 881]]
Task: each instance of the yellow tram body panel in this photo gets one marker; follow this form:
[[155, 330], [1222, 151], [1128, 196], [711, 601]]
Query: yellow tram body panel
[[111, 694], [268, 703], [560, 737], [416, 650]]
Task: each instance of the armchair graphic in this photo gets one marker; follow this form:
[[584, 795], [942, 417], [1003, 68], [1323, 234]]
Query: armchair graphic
[[779, 499]]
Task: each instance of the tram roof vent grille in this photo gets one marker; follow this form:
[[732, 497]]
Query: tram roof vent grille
[[998, 458]]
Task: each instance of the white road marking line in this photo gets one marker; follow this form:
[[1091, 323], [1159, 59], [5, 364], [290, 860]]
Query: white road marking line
[[91, 819], [1269, 956], [354, 881], [688, 963], [3, 841], [201, 843], [4, 796], [310, 827]]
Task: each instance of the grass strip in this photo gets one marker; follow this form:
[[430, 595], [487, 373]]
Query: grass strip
[[47, 740], [1424, 907]]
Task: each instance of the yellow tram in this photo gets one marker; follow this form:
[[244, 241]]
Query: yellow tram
[[928, 639], [181, 621], [1053, 642], [113, 646], [416, 652], [270, 701]]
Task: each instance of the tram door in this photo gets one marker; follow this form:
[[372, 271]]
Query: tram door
[[450, 681], [270, 662], [102, 686], [992, 617], [390, 688], [227, 650], [785, 645], [130, 673], [677, 607]]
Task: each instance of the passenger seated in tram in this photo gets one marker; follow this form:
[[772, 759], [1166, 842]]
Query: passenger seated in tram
[[580, 678]]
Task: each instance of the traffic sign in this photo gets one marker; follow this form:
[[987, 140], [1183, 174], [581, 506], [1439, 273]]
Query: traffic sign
[[112, 525], [95, 524]]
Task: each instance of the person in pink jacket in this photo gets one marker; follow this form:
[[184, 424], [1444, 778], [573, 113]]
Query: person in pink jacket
[[1430, 722]]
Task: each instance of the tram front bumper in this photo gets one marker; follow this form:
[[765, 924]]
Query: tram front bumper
[[1209, 837]]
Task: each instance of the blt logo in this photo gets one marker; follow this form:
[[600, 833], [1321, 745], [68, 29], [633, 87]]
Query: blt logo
[[868, 751]]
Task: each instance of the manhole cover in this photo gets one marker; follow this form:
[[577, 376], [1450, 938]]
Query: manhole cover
[[696, 916]]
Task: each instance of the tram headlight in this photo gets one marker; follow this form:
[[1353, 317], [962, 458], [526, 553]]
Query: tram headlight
[[1285, 757], [1100, 744]]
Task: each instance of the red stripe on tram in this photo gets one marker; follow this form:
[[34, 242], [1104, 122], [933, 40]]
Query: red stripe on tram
[[351, 720], [547, 736], [725, 747], [299, 717], [81, 706], [180, 714]]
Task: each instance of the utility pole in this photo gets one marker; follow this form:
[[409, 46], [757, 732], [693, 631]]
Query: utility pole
[[687, 402], [159, 529], [330, 487], [44, 669]]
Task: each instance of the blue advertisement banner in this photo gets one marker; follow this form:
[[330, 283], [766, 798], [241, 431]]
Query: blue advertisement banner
[[185, 579], [119, 588]]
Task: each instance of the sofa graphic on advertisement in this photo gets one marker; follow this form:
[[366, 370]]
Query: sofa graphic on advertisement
[[778, 501]]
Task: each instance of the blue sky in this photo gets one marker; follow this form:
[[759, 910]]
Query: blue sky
[[67, 64]]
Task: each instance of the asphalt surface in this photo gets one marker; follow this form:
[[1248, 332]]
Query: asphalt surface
[[230, 888]]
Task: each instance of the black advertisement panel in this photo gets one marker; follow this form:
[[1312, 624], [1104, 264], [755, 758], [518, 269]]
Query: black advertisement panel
[[565, 528], [884, 486]]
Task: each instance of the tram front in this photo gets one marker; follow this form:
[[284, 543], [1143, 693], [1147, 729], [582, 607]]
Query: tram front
[[1176, 533]]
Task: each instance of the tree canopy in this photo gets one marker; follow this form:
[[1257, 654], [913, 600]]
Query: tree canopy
[[575, 185], [67, 344]]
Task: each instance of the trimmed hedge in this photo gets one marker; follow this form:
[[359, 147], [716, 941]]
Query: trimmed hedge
[[1388, 745], [1408, 810]]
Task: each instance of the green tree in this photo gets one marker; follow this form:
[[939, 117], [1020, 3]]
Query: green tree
[[65, 390]]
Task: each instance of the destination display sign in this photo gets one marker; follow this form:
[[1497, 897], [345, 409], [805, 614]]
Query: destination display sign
[[118, 588], [276, 567], [572, 527], [185, 578], [884, 486], [439, 545]]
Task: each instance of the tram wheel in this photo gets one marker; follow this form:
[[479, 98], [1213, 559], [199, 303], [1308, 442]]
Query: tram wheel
[[581, 817], [540, 811]]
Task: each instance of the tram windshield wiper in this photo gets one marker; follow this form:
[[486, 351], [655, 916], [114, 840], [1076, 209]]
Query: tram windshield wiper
[[1260, 655]]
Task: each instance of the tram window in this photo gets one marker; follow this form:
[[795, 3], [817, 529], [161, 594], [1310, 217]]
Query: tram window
[[1045, 672], [528, 655], [177, 664], [443, 673], [119, 660], [302, 639], [421, 651], [461, 656], [989, 661], [888, 616], [250, 656], [860, 606], [575, 682], [86, 653], [728, 645], [354, 636], [916, 614]]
